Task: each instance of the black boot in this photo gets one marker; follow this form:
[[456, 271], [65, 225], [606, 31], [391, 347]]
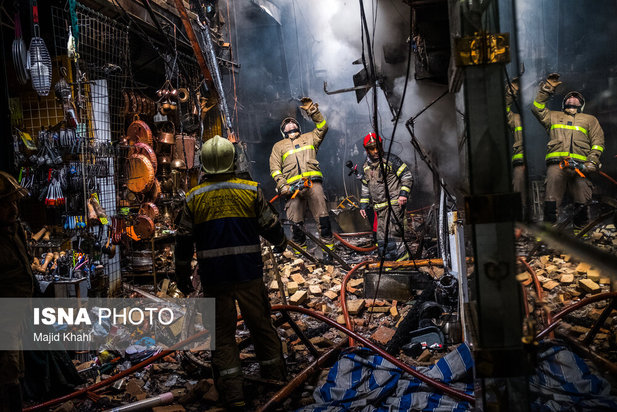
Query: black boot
[[298, 236], [581, 216], [550, 211]]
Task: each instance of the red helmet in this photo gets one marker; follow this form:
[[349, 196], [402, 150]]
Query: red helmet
[[371, 140]]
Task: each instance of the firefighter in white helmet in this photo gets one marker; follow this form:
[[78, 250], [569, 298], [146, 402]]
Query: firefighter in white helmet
[[224, 217], [295, 169], [574, 149]]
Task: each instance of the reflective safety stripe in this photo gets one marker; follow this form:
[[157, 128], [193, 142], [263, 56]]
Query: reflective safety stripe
[[321, 124], [364, 182], [365, 200], [566, 154], [507, 109], [270, 362], [230, 371], [219, 186], [565, 126], [400, 169], [517, 156], [384, 204], [539, 105], [518, 129], [276, 173], [305, 174], [405, 188], [596, 147], [309, 147], [226, 251]]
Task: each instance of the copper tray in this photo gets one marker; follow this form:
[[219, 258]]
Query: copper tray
[[146, 150], [139, 131], [144, 227], [149, 209], [140, 173]]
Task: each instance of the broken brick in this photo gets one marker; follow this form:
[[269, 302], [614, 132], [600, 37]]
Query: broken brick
[[383, 335], [292, 287], [589, 285], [298, 278], [593, 274], [355, 306], [299, 297], [315, 289], [583, 267], [332, 295], [566, 278]]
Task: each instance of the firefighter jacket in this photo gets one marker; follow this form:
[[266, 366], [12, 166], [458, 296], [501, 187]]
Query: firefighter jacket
[[578, 136], [17, 277], [516, 126], [399, 180], [294, 159], [224, 217]]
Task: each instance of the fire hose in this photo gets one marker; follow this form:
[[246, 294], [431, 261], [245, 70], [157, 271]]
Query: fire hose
[[538, 288], [344, 301], [454, 393], [353, 247]]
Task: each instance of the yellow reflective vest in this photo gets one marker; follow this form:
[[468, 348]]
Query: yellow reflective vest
[[578, 136], [294, 159]]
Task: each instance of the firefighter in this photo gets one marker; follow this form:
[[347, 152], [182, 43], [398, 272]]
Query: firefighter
[[295, 169], [574, 149], [399, 181], [224, 217], [18, 281], [516, 127]]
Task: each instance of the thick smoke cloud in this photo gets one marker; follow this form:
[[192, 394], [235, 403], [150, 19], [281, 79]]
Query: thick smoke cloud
[[321, 39]]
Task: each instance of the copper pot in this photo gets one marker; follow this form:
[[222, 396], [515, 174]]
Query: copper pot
[[167, 133]]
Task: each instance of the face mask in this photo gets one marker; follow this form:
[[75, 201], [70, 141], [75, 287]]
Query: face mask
[[292, 132]]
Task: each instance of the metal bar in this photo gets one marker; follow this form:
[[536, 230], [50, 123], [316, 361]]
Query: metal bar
[[300, 378], [307, 342], [349, 89], [599, 323], [413, 263], [323, 246], [303, 252], [277, 274], [194, 43]]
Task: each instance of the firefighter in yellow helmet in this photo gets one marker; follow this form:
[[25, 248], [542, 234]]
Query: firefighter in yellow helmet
[[224, 217], [17, 281], [294, 168], [574, 149]]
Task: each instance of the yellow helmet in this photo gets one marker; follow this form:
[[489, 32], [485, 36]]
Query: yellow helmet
[[217, 156], [9, 187]]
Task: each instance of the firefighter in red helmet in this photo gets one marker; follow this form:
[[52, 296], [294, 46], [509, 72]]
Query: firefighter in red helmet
[[399, 181]]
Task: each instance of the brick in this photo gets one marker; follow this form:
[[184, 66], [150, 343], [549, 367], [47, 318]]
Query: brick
[[329, 269], [355, 306], [355, 282], [340, 319], [566, 278], [274, 285], [566, 258], [383, 335], [583, 267], [544, 259], [523, 276], [550, 285], [379, 309], [299, 297], [393, 311], [550, 268], [605, 281], [298, 278], [292, 287], [332, 295], [326, 279], [593, 274], [315, 289], [589, 285], [288, 254]]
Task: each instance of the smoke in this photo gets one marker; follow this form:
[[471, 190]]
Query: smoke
[[321, 39]]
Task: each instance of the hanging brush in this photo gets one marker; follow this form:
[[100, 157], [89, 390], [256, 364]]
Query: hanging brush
[[40, 62]]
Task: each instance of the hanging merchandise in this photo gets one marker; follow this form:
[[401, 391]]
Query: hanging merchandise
[[40, 62], [20, 60]]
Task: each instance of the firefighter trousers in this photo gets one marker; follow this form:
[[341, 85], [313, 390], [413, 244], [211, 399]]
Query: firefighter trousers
[[315, 198], [518, 182], [559, 180], [252, 299], [396, 248]]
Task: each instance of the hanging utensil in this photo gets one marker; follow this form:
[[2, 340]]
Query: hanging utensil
[[40, 62], [20, 53]]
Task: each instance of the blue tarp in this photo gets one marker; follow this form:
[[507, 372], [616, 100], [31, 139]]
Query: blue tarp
[[362, 381]]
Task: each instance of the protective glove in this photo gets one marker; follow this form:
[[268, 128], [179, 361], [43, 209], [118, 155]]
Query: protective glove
[[280, 248], [590, 167], [308, 106], [513, 87], [285, 190], [551, 83]]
